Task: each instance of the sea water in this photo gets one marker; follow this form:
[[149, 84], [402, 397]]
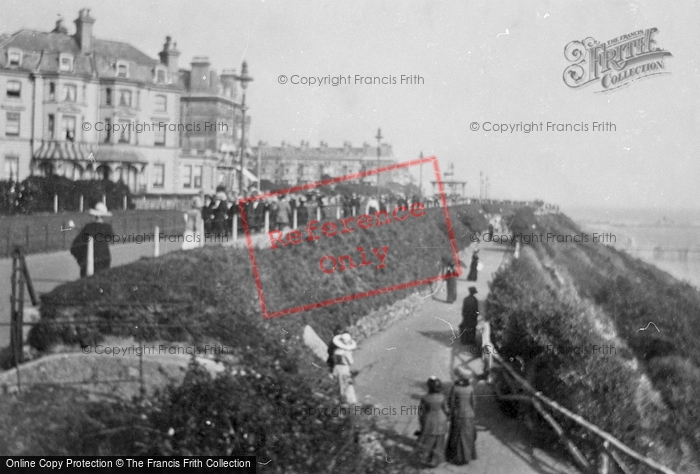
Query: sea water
[[666, 238]]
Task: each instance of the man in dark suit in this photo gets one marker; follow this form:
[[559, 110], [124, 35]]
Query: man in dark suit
[[302, 213], [470, 314]]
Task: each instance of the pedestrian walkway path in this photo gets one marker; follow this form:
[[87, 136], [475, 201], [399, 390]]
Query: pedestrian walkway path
[[395, 364]]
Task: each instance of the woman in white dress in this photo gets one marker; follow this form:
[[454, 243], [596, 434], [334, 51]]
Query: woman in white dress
[[194, 225], [341, 369]]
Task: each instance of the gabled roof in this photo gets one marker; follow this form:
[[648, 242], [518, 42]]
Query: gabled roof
[[41, 52]]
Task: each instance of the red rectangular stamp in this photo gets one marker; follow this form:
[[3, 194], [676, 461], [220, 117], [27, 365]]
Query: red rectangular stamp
[[353, 246]]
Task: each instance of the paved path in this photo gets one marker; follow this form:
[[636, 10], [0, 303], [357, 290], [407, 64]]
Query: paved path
[[395, 364]]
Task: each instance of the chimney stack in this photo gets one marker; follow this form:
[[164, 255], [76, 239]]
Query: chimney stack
[[169, 56], [200, 79], [83, 33], [60, 28]]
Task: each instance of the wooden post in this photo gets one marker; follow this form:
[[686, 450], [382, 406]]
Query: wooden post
[[125, 202], [604, 463], [104, 199], [295, 219], [90, 256], [578, 456], [156, 248], [318, 213], [337, 212], [235, 227], [267, 221], [55, 203], [82, 202], [581, 421], [354, 210]]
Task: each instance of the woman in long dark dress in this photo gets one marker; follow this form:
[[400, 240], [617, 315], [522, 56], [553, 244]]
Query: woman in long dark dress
[[432, 415], [451, 283], [473, 270], [101, 234], [461, 442]]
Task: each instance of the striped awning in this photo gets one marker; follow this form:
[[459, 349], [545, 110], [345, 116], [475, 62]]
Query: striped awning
[[64, 150], [81, 151]]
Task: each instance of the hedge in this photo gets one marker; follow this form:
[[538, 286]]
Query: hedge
[[208, 294]]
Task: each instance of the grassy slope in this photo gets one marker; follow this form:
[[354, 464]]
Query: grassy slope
[[208, 294], [577, 295]]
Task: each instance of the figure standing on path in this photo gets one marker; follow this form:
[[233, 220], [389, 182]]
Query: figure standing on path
[[284, 212], [194, 225], [432, 415], [341, 367], [101, 234], [473, 268], [451, 282], [470, 315], [461, 442]]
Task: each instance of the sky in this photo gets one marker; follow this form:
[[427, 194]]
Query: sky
[[488, 61]]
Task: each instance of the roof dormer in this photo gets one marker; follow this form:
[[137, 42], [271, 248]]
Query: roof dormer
[[123, 69], [14, 57], [65, 62]]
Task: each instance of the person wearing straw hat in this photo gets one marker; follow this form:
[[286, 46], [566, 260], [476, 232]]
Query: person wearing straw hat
[[432, 415], [344, 344], [461, 441], [101, 234]]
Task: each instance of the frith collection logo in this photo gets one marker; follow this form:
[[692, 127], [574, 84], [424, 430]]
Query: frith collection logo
[[615, 63]]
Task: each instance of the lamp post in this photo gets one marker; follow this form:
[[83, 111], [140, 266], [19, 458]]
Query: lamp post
[[420, 181], [379, 154], [244, 79]]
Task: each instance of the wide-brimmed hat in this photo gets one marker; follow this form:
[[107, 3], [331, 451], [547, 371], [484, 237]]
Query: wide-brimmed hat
[[221, 196], [345, 341], [472, 290], [100, 209]]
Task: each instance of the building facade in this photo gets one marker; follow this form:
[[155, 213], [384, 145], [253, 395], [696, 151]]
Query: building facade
[[211, 107], [86, 108], [294, 165]]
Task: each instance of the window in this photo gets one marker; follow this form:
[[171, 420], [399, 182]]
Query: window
[[125, 98], [161, 103], [187, 176], [12, 124], [197, 176], [70, 91], [122, 69], [52, 126], [14, 57], [158, 176], [160, 76], [11, 167], [14, 89], [52, 91], [65, 62], [159, 136], [108, 96], [125, 127], [107, 131], [68, 124]]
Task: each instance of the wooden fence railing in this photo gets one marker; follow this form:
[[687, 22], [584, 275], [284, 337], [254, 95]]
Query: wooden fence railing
[[537, 399]]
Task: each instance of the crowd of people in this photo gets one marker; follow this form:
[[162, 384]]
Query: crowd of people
[[219, 211]]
